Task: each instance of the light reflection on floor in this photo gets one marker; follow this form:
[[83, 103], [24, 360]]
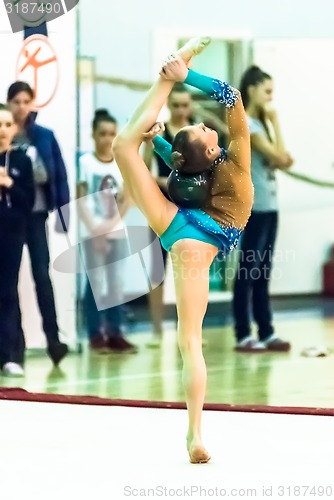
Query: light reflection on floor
[[155, 374]]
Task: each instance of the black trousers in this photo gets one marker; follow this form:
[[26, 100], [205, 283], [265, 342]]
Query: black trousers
[[37, 242], [12, 234], [251, 285]]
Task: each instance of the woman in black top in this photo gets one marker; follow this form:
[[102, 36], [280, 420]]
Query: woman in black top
[[16, 201]]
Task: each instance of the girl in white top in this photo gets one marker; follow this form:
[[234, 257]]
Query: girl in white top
[[102, 205]]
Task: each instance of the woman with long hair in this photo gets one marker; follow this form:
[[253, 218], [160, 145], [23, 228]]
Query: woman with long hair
[[268, 154], [193, 236]]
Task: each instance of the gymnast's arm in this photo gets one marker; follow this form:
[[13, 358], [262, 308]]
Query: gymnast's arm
[[144, 117], [162, 147], [239, 150], [239, 147]]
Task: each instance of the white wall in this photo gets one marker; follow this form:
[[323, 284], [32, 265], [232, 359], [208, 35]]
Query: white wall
[[303, 83], [123, 45], [125, 49], [59, 115]]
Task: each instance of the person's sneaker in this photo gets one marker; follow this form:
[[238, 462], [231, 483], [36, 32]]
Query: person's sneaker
[[315, 352], [276, 344], [57, 351], [250, 345], [12, 370], [99, 344], [119, 344]]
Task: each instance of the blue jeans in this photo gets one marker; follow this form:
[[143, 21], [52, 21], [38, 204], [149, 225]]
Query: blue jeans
[[106, 267], [251, 285]]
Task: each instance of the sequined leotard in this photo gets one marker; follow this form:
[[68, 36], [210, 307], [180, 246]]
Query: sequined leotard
[[227, 210]]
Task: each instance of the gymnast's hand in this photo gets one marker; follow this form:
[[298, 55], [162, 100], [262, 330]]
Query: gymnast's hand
[[174, 68], [157, 129]]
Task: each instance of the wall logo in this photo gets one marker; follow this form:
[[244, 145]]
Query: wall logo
[[32, 13], [37, 64]]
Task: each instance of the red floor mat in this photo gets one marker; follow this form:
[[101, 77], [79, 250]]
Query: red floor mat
[[14, 394]]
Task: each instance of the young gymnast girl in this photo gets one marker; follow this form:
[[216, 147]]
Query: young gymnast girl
[[193, 236]]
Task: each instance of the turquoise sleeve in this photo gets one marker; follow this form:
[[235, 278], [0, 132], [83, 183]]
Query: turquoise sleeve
[[164, 149], [221, 91]]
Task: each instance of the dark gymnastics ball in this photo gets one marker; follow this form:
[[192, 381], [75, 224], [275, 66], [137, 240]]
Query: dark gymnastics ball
[[189, 191]]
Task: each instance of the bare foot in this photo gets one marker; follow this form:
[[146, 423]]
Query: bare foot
[[197, 453], [193, 47]]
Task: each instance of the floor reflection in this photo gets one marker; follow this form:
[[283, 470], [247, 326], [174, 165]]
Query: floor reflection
[[233, 378]]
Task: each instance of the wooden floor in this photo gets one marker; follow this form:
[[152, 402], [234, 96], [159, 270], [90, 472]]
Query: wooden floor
[[233, 378]]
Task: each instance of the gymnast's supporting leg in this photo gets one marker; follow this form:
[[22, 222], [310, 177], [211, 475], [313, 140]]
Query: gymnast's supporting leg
[[191, 262], [191, 272]]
